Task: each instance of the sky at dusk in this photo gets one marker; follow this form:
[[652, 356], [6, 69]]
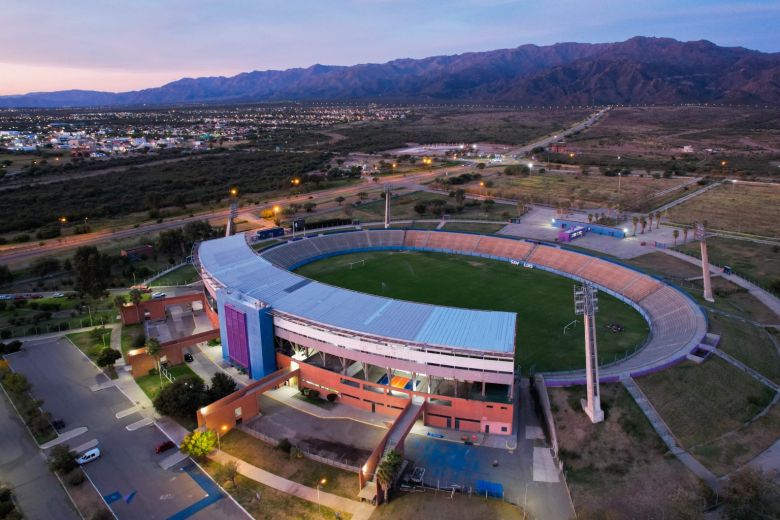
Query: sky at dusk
[[117, 46]]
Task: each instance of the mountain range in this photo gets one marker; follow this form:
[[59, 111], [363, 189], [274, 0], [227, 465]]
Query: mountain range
[[638, 70]]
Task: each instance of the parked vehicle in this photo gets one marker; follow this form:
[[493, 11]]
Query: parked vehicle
[[88, 456], [164, 446], [158, 295], [188, 357], [58, 424]]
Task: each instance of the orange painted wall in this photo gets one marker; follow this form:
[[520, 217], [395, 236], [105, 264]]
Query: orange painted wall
[[156, 308]]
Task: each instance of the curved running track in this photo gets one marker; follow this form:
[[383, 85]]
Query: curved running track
[[677, 323]]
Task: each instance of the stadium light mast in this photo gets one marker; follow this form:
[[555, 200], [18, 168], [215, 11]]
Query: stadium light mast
[[387, 206], [586, 304], [700, 234], [230, 228]]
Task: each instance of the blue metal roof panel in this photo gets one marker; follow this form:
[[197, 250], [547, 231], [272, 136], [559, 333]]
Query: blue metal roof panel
[[231, 261]]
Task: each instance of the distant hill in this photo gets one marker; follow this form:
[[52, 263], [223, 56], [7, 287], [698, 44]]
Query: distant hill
[[638, 70]]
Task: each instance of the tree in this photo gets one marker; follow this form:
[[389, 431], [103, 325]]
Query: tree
[[182, 398], [199, 443], [135, 298], [93, 271], [387, 470], [340, 199], [480, 166], [309, 206], [16, 383], [635, 221], [221, 385], [119, 301], [676, 235], [650, 218], [362, 195], [227, 472], [657, 219], [590, 217], [685, 234], [750, 494], [62, 459], [107, 357], [643, 222], [154, 349], [460, 197], [420, 208]]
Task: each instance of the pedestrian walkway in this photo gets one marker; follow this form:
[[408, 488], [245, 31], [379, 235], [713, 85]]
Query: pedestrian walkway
[[358, 510], [770, 300], [667, 436]]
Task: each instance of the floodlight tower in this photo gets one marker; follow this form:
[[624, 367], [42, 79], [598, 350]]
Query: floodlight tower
[[387, 206], [230, 228], [700, 234], [586, 304]]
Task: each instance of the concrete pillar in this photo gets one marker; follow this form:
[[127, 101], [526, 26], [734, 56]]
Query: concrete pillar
[[387, 207], [705, 272], [483, 389], [414, 380], [592, 405]]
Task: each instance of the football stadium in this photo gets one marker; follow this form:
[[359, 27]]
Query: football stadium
[[436, 344]]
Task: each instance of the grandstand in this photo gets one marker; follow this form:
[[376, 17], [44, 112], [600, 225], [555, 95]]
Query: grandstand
[[350, 342]]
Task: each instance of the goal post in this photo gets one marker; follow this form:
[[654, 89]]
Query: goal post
[[357, 263]]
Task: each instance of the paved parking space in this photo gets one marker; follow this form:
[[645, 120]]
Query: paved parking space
[[128, 473]]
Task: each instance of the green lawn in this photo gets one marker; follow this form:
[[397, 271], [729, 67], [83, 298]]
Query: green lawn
[[150, 383], [749, 344], [542, 301], [702, 402], [180, 276], [90, 344], [302, 470]]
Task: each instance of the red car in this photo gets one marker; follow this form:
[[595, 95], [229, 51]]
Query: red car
[[164, 446]]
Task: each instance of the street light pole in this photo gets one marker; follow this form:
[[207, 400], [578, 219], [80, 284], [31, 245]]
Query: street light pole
[[321, 483]]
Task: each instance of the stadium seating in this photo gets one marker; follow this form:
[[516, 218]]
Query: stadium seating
[[503, 248], [385, 238], [559, 259]]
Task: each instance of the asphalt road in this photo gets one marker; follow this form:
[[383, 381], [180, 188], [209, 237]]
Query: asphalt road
[[61, 375], [24, 470]]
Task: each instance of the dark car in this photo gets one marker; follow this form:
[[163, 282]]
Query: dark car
[[188, 357], [164, 446]]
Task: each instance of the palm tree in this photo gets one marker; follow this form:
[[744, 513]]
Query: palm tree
[[154, 349], [136, 297], [384, 477], [657, 219], [643, 222], [635, 221], [676, 234], [685, 234], [590, 218], [650, 218]]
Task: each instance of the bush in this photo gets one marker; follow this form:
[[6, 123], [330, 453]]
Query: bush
[[10, 348], [75, 478], [314, 394], [332, 397], [62, 459], [285, 445]]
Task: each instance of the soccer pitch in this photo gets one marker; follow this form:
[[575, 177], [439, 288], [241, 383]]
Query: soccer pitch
[[543, 301]]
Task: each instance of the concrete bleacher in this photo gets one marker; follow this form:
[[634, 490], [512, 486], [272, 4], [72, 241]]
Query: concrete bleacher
[[677, 323]]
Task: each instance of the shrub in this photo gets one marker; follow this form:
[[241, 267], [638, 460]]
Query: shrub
[[75, 478], [332, 397], [62, 459], [314, 394], [285, 445]]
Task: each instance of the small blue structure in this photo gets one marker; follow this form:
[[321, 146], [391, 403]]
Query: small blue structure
[[588, 227], [491, 489]]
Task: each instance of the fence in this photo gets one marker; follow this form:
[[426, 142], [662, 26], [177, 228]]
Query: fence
[[60, 326], [165, 271]]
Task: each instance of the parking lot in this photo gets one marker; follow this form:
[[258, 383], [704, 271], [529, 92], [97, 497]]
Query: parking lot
[[127, 474]]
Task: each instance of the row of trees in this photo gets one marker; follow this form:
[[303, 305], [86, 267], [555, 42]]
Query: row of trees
[[183, 397]]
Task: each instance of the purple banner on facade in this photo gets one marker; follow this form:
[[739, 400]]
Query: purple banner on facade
[[238, 343]]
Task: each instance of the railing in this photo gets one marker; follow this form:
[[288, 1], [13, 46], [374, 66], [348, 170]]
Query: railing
[[64, 325]]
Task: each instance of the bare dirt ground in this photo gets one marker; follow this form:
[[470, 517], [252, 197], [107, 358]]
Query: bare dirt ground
[[618, 468]]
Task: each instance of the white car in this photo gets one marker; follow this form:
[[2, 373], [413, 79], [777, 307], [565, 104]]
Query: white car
[[58, 295], [88, 456], [158, 295]]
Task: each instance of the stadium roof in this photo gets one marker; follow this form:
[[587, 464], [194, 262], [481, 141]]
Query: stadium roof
[[232, 262]]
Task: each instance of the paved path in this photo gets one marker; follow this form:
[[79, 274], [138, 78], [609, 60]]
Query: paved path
[[23, 469], [358, 510], [749, 371], [770, 300], [667, 436]]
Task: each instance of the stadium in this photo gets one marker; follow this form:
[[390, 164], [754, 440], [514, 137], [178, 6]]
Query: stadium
[[456, 366]]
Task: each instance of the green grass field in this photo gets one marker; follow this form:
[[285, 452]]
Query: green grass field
[[542, 301]]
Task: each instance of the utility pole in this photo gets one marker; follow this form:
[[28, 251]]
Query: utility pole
[[586, 304], [700, 234], [229, 229]]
